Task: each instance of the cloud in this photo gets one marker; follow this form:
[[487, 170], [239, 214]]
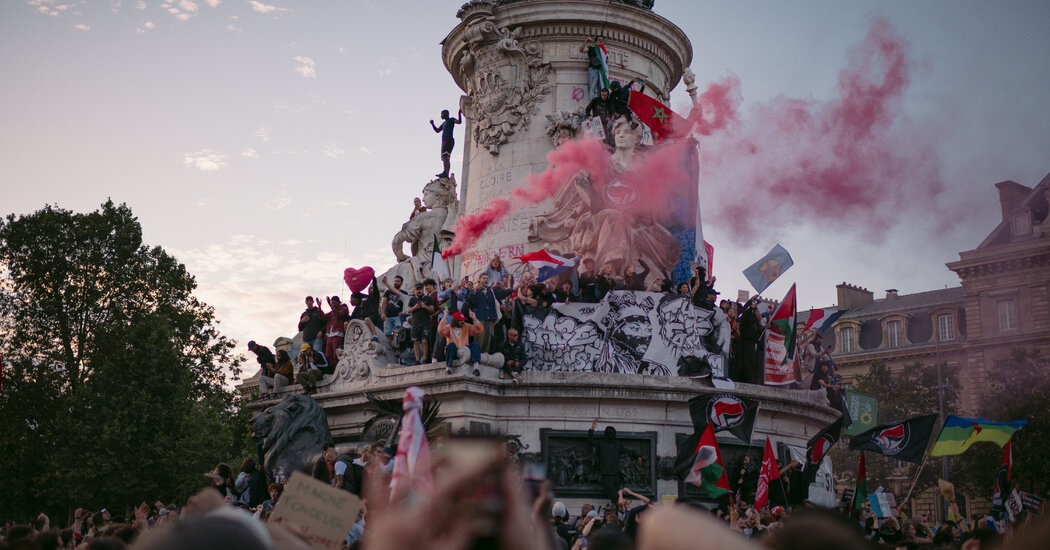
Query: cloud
[[266, 8], [250, 154], [333, 151], [386, 65], [263, 133], [149, 25], [307, 69], [183, 10], [213, 3], [365, 150], [281, 199], [235, 29], [48, 7], [82, 27], [205, 160], [140, 5]]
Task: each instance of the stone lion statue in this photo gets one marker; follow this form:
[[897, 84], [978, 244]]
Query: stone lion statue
[[292, 431]]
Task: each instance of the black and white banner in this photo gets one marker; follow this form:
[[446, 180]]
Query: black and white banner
[[628, 332]]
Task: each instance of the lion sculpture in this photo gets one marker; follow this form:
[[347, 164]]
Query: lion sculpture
[[292, 431]]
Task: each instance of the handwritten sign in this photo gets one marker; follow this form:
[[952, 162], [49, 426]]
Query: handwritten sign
[[320, 514]]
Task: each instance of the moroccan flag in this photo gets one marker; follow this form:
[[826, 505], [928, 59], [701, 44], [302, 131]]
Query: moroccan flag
[[903, 440], [700, 463], [818, 448], [1002, 482], [438, 264], [725, 413], [412, 473], [860, 490], [664, 123], [822, 319], [959, 433], [766, 475], [767, 269], [784, 321]]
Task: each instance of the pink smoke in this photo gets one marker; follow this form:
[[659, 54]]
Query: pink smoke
[[470, 226], [854, 162]]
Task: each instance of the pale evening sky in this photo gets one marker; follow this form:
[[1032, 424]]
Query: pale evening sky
[[270, 144]]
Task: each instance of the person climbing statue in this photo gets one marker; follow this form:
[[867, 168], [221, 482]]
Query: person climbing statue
[[446, 128]]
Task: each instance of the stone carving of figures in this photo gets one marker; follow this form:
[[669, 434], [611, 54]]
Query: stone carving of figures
[[439, 198]]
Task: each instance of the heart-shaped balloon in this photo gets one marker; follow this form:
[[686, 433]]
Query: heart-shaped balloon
[[358, 279]]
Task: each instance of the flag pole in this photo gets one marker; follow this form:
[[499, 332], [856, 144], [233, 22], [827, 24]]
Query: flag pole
[[914, 481]]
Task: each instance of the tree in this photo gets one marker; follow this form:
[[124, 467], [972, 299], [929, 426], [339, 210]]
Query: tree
[[114, 388]]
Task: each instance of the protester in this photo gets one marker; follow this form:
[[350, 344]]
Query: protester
[[513, 356], [335, 326], [313, 365], [420, 307], [458, 334], [311, 325], [446, 129], [276, 377]]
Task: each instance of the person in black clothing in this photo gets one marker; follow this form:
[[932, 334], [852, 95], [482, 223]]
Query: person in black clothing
[[620, 96], [608, 451], [632, 280], [391, 306], [420, 306], [748, 359], [600, 107], [588, 281], [311, 325], [446, 129], [594, 51], [604, 283], [702, 288], [263, 355], [513, 356], [366, 308], [563, 294]]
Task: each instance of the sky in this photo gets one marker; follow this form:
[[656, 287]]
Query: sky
[[270, 144]]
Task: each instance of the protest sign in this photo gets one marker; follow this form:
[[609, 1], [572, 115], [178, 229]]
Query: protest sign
[[319, 513]]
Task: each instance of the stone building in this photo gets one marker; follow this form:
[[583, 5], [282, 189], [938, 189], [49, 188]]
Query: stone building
[[1003, 303]]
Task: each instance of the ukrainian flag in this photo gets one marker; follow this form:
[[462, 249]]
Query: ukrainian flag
[[959, 433]]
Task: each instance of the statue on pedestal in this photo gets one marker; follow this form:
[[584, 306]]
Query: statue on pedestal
[[439, 197]]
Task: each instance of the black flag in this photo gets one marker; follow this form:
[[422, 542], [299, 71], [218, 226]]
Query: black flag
[[903, 440], [818, 447], [726, 413]]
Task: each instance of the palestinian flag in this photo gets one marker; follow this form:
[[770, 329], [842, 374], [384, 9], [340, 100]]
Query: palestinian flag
[[860, 490], [1002, 482], [784, 321], [818, 448], [603, 55], [664, 123], [700, 462], [438, 263], [903, 440], [959, 433], [766, 476]]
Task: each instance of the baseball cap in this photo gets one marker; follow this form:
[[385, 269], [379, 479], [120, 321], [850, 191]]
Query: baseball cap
[[304, 347], [458, 316]]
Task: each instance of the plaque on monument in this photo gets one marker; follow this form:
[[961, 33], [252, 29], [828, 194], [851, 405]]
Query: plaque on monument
[[572, 462]]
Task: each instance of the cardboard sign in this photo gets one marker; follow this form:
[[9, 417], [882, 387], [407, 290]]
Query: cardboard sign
[[320, 514], [1014, 505], [742, 296], [592, 128]]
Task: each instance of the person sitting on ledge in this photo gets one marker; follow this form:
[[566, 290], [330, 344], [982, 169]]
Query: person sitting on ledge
[[312, 367], [457, 334], [513, 356]]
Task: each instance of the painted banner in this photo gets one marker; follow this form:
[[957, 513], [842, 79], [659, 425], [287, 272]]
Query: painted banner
[[627, 332], [592, 128], [822, 489], [864, 410], [778, 372], [316, 511]]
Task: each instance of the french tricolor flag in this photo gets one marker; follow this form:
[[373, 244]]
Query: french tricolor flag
[[822, 319], [547, 264]]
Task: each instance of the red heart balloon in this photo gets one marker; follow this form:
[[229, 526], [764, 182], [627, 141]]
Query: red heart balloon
[[358, 279]]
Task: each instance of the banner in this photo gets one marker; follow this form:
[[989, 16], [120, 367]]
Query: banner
[[864, 410], [903, 440], [629, 332], [726, 413], [883, 504], [767, 269], [1014, 505], [778, 372], [822, 486]]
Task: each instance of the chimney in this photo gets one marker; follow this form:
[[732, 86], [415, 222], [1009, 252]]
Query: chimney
[[891, 293], [1011, 195], [850, 297]]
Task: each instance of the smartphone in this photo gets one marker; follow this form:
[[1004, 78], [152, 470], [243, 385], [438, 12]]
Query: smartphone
[[534, 474]]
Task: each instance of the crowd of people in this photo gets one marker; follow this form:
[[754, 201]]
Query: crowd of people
[[488, 503]]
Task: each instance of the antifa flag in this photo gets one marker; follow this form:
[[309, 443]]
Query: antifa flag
[[1002, 482], [904, 440], [818, 448], [725, 413]]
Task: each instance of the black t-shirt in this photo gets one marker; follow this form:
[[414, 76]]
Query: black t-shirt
[[421, 316], [264, 355], [394, 302], [313, 323]]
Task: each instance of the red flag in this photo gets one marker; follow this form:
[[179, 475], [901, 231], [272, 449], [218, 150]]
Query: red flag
[[662, 121], [768, 473]]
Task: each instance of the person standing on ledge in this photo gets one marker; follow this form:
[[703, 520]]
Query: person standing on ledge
[[448, 125], [597, 66], [608, 450]]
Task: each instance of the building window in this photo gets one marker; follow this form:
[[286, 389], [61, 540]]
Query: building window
[[1021, 224], [946, 327], [846, 341], [1007, 314], [894, 333]]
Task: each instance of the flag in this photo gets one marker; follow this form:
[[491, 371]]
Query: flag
[[662, 121], [860, 490], [412, 462], [883, 504], [603, 55], [904, 440], [822, 319], [781, 343], [1002, 482], [959, 433], [762, 273], [548, 265], [863, 410], [766, 475], [438, 264], [818, 448], [725, 413], [700, 463]]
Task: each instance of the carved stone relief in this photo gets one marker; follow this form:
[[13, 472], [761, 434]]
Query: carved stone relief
[[572, 462]]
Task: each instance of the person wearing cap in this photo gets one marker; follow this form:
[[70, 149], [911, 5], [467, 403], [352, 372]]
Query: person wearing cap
[[458, 333], [560, 515], [263, 355], [313, 365], [366, 308]]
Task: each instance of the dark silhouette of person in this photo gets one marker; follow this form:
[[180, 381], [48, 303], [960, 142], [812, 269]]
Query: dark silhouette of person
[[448, 125]]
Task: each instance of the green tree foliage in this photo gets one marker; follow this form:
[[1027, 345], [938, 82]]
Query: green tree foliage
[[1021, 391], [114, 373], [902, 394]]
